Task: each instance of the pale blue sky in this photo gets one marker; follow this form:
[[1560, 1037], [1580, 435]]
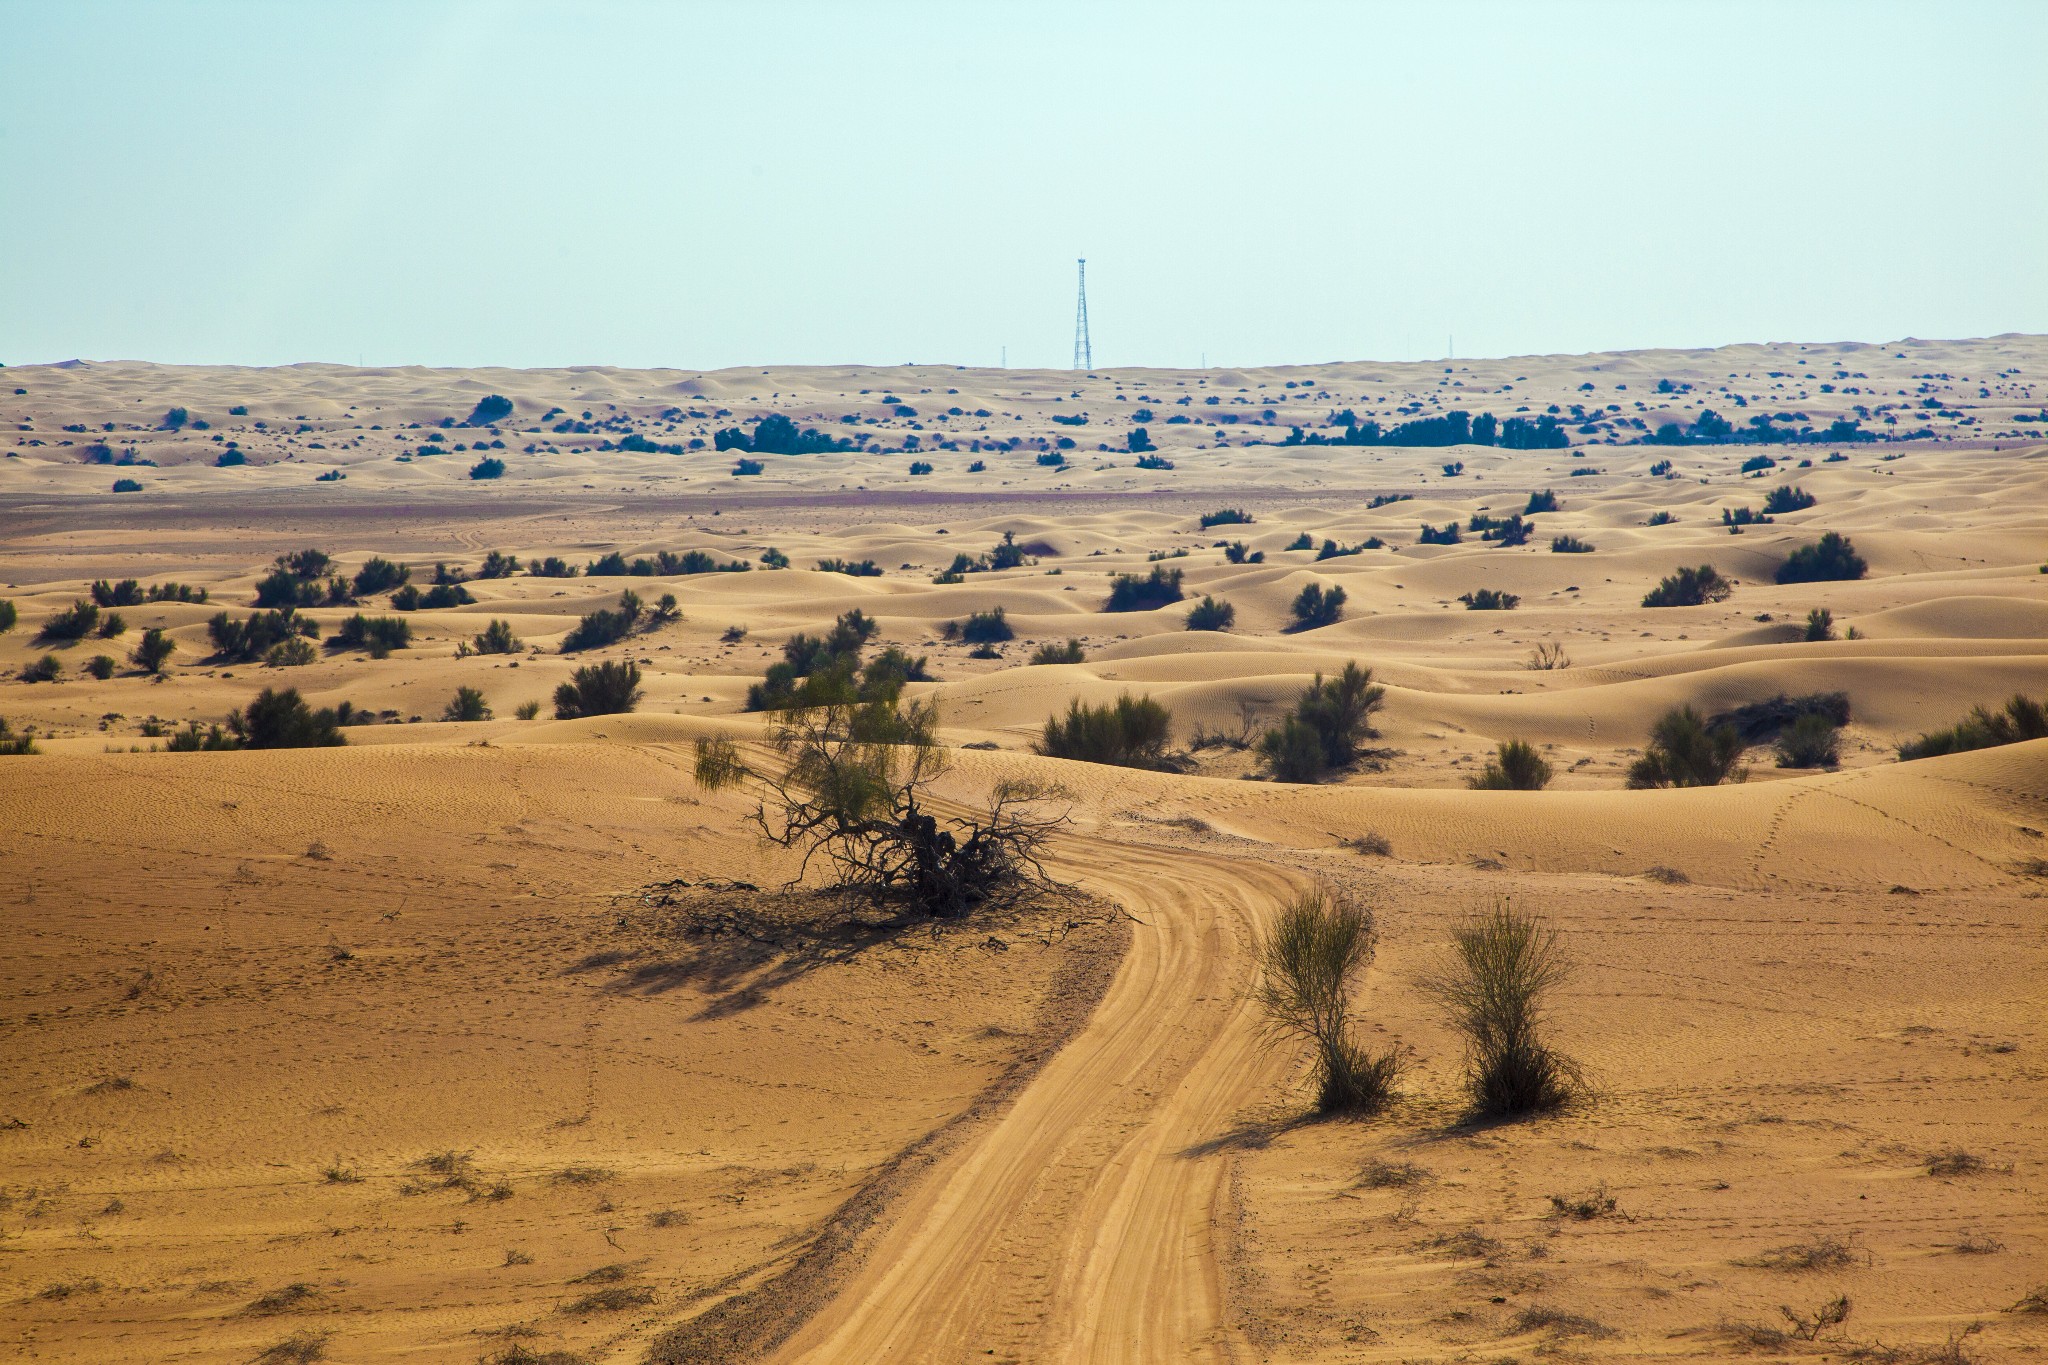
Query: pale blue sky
[[704, 185]]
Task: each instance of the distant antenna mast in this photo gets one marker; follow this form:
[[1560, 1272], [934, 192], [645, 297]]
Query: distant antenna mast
[[1084, 352]]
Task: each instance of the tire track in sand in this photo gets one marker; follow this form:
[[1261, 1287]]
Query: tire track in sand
[[1086, 1223]]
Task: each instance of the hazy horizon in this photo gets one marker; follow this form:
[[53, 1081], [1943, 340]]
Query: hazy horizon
[[461, 184]]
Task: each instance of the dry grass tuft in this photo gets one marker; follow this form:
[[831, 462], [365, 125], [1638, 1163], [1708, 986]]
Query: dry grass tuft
[[1371, 844], [1826, 1252], [1670, 876], [2035, 1302], [300, 1348], [1955, 1162], [1466, 1244], [1387, 1175], [1594, 1203], [604, 1274], [1558, 1323], [284, 1300], [613, 1300], [1309, 962], [584, 1175]]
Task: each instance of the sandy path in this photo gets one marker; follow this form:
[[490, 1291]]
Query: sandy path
[[1080, 1226]]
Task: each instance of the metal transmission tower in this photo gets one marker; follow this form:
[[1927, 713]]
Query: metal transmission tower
[[1084, 352]]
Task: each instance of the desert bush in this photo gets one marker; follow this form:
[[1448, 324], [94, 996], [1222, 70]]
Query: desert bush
[[1304, 541], [406, 598], [816, 671], [45, 669], [379, 575], [1516, 767], [175, 592], [853, 568], [379, 635], [126, 593], [1546, 501], [1317, 606], [99, 666], [111, 624], [987, 628], [498, 565], [446, 595], [13, 745], [1226, 516], [1490, 599], [496, 638], [127, 486], [1447, 534], [1504, 969], [489, 467], [1820, 625], [1660, 519], [1131, 732], [851, 789], [553, 566], [1130, 592], [1068, 653], [2022, 718], [295, 652], [10, 616], [70, 625], [1685, 752], [1758, 721], [1547, 656], [275, 720], [255, 635], [152, 650], [1790, 498], [1211, 614], [1832, 558], [491, 409], [1237, 552], [1570, 545], [1812, 741], [605, 626], [1309, 963], [1329, 722], [920, 467], [603, 689], [744, 468], [467, 704], [1691, 587]]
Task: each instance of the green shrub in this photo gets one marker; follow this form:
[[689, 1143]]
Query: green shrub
[[1516, 767], [45, 669], [1820, 625], [100, 666], [1309, 964], [490, 467], [496, 638], [603, 626], [1317, 606], [774, 558], [1790, 498], [1129, 592], [1685, 752], [1304, 541], [295, 652], [1211, 614], [1832, 558], [604, 689], [498, 565], [152, 650], [1690, 588], [1489, 599], [1068, 653], [1505, 967], [1237, 552], [1812, 741], [127, 486], [70, 625], [377, 634], [864, 568], [2022, 718], [987, 628], [275, 720], [10, 616], [526, 710], [256, 635], [1758, 721], [1660, 519], [1570, 545], [126, 593], [380, 575], [1131, 732], [467, 704], [554, 566], [1546, 501], [16, 745], [1226, 516], [491, 409], [112, 624], [1329, 722]]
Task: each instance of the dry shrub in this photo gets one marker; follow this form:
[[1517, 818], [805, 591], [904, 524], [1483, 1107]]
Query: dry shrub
[[1826, 1252], [300, 1348], [1504, 968]]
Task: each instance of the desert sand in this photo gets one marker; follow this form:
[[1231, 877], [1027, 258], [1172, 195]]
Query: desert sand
[[399, 1051]]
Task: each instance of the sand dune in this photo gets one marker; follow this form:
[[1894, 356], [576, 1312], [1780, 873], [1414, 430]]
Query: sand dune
[[392, 1045]]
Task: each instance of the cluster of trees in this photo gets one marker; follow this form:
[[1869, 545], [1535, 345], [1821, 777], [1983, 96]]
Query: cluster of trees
[[609, 625], [1713, 429], [827, 670], [777, 435], [1131, 732], [1455, 428], [664, 564], [1005, 554], [1329, 723], [277, 719]]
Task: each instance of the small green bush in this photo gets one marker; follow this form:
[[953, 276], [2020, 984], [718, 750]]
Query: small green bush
[[380, 575], [16, 745], [1317, 606], [1790, 498], [496, 638], [498, 565], [2022, 719], [1692, 587], [1546, 501], [604, 626], [1570, 545], [1226, 516], [1212, 614], [1132, 732], [1812, 741], [45, 669], [1832, 558], [153, 650], [10, 616], [604, 689], [1516, 767], [70, 625], [1820, 625], [1068, 653], [1685, 752], [490, 467], [1490, 599], [987, 628], [1130, 592], [1504, 968], [1329, 722], [100, 666], [1309, 964], [467, 704], [379, 635]]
